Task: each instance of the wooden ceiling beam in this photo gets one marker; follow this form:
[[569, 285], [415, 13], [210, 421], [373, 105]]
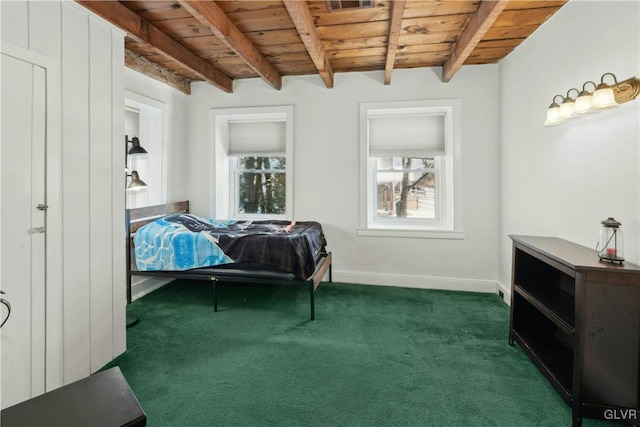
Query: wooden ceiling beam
[[210, 15], [142, 31], [138, 63], [395, 25], [478, 25], [302, 19]]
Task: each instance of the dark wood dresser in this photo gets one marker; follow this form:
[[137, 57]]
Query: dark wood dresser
[[578, 319]]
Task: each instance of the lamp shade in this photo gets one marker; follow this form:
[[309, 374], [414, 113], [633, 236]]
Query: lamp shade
[[584, 102], [136, 183], [553, 116], [553, 113], [136, 149], [603, 96], [567, 108]]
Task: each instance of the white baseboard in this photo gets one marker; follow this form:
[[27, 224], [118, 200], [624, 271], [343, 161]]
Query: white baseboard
[[421, 282], [506, 291], [146, 285], [141, 286]]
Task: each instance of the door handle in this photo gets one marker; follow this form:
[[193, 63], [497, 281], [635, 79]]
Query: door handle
[[42, 207], [38, 230]]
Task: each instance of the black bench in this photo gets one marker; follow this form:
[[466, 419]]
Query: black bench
[[103, 399]]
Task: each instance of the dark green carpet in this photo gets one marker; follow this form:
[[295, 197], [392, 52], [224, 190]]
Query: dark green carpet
[[374, 356]]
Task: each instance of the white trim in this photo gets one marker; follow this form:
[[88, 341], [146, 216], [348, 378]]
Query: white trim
[[418, 233], [146, 285], [138, 101], [506, 291], [26, 55], [447, 218], [54, 291], [414, 281]]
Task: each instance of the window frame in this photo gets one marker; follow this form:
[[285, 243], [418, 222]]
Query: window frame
[[154, 137], [447, 223], [224, 189]]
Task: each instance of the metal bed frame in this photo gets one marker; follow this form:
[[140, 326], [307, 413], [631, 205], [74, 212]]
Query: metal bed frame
[[230, 273]]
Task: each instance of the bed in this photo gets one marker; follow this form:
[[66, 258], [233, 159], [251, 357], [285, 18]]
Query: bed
[[246, 264]]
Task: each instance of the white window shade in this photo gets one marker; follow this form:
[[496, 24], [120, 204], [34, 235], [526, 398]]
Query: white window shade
[[261, 138], [407, 135]]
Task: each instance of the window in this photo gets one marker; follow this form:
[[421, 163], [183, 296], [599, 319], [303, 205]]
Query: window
[[145, 118], [261, 184], [405, 187], [407, 177], [253, 150]]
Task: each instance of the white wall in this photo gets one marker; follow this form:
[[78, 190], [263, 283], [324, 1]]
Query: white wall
[[326, 171], [89, 172], [563, 180]]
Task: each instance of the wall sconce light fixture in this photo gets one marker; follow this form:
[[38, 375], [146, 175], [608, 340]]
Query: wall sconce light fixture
[[604, 96], [136, 183], [135, 149]]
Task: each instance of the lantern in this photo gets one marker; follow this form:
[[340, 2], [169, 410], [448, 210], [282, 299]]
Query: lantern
[[611, 244]]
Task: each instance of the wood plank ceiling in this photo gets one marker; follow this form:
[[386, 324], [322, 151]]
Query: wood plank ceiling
[[180, 41]]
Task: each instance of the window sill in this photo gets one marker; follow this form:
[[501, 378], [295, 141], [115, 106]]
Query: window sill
[[408, 233]]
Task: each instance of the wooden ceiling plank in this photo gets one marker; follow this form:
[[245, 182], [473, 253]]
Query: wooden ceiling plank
[[153, 11], [182, 28], [268, 19], [302, 19], [506, 33], [417, 8], [364, 43], [477, 27], [433, 24], [322, 17], [491, 53], [499, 43], [356, 30], [430, 38], [209, 14], [354, 53], [515, 17], [263, 39], [142, 31], [395, 25], [533, 4], [138, 63], [249, 6]]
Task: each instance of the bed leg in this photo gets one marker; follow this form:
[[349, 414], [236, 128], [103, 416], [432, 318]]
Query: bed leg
[[215, 295], [312, 300]]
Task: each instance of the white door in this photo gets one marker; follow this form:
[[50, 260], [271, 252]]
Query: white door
[[22, 249]]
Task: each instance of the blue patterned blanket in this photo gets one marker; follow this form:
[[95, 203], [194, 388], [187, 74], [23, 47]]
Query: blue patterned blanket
[[183, 242]]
